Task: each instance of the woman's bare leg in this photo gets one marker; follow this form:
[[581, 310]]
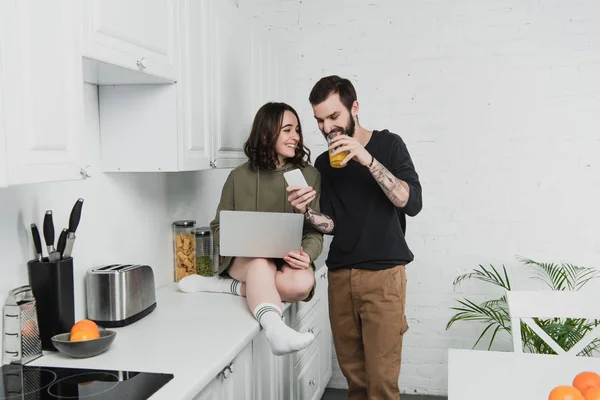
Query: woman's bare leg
[[264, 300], [294, 284], [258, 274]]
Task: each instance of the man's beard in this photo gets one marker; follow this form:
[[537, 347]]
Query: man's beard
[[348, 130]]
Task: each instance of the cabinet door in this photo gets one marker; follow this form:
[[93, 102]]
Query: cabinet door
[[135, 34], [308, 382], [43, 99], [238, 384], [325, 339], [194, 85], [231, 50], [3, 77], [212, 391], [268, 371]]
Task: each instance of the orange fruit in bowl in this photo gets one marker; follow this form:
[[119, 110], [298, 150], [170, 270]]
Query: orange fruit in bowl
[[592, 393], [84, 334], [85, 324], [565, 393], [585, 380]]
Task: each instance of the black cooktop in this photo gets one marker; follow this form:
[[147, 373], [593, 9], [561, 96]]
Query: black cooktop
[[28, 383]]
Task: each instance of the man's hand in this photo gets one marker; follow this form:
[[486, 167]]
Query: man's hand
[[300, 198], [298, 260], [357, 152]]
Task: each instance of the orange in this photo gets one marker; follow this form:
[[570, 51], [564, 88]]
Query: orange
[[84, 334], [85, 324], [565, 393], [592, 393], [585, 380]]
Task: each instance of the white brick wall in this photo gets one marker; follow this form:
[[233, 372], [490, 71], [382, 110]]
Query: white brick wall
[[498, 103]]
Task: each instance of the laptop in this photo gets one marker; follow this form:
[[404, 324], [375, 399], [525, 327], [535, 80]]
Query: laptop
[[259, 234]]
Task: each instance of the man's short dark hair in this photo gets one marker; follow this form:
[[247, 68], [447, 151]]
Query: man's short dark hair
[[333, 84]]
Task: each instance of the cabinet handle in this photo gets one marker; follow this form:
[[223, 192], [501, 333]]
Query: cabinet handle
[[213, 164], [228, 370], [312, 382], [85, 172], [141, 63], [323, 275], [312, 330]]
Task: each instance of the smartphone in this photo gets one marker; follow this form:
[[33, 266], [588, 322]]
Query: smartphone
[[295, 177]]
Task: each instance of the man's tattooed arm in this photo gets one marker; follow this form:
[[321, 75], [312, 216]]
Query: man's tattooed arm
[[395, 189], [320, 221]]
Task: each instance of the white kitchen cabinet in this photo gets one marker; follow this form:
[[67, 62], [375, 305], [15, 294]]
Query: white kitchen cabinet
[[308, 377], [271, 372], [233, 75], [226, 70], [313, 316], [247, 74], [234, 382], [42, 91], [3, 164], [136, 35], [326, 338], [166, 128], [194, 109], [238, 384], [212, 391]]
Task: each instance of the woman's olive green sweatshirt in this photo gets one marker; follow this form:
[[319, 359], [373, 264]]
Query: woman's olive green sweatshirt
[[247, 190]]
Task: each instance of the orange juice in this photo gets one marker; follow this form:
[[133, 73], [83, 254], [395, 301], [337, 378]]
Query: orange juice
[[335, 160]]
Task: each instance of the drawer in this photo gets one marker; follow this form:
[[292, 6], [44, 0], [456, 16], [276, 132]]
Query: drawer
[[313, 322], [308, 377], [302, 308]]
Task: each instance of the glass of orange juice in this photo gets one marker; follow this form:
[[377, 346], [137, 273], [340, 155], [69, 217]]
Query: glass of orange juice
[[336, 159]]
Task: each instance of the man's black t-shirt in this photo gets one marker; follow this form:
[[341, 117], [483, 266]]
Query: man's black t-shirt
[[369, 229]]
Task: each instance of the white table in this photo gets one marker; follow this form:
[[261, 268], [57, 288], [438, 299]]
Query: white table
[[493, 375]]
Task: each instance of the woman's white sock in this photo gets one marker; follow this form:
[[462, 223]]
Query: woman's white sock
[[282, 338], [215, 284]]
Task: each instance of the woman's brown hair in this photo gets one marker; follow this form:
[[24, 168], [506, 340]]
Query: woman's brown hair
[[260, 146]]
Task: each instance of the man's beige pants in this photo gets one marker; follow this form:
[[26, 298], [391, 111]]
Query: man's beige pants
[[368, 321]]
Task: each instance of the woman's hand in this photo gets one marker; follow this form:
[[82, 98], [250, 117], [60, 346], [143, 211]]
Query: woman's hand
[[300, 198], [298, 260]]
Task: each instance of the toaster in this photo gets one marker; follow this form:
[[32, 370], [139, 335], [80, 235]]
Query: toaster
[[119, 294]]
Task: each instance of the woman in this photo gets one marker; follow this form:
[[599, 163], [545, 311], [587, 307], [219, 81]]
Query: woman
[[275, 145]]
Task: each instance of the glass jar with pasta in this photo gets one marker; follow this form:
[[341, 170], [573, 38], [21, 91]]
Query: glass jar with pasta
[[184, 248]]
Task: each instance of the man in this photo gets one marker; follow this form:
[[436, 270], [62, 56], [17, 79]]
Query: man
[[363, 205]]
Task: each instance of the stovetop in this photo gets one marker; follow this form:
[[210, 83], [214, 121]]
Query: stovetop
[[45, 383]]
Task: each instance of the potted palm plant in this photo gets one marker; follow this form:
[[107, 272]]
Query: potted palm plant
[[493, 314]]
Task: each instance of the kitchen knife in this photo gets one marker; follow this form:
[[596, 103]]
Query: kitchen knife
[[62, 242], [73, 224], [49, 236], [37, 241]]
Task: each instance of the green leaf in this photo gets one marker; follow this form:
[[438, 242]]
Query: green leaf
[[495, 317], [488, 276]]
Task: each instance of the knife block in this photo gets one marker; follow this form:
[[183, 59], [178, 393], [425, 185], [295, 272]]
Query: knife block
[[52, 286]]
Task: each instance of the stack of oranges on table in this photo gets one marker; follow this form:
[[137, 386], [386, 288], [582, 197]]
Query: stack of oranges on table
[[84, 330], [586, 386]]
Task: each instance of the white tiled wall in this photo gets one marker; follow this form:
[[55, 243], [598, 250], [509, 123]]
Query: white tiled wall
[[498, 103]]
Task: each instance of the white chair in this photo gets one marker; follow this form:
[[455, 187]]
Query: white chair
[[525, 305]]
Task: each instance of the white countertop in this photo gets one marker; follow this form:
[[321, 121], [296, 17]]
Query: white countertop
[[191, 335], [496, 375]]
